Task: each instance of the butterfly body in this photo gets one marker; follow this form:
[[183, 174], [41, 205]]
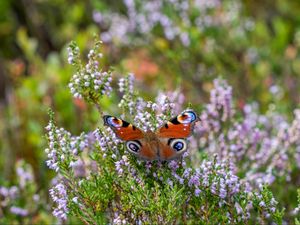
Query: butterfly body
[[167, 143]]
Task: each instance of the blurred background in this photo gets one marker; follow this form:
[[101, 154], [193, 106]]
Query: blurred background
[[167, 44]]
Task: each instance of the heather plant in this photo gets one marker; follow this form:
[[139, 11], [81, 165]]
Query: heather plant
[[199, 40], [98, 181], [21, 202], [179, 45], [263, 147]]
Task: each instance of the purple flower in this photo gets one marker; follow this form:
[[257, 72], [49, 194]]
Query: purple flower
[[238, 208], [118, 165], [177, 177], [173, 165], [79, 168], [8, 194], [187, 172], [170, 182], [18, 211], [221, 99], [59, 195], [197, 192], [222, 193], [24, 174], [262, 204], [90, 77], [194, 180], [97, 17]]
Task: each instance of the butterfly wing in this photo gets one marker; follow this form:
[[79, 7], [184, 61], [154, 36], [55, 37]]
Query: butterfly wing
[[143, 149], [172, 143], [180, 126], [171, 148], [124, 130], [136, 141]]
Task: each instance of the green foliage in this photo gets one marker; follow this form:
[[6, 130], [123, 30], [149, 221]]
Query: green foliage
[[266, 205], [254, 49], [297, 209], [101, 183], [22, 202]]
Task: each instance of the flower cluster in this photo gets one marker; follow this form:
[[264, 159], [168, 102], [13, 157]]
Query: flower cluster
[[99, 182], [176, 22], [24, 173], [149, 115], [63, 148], [20, 201], [219, 109], [213, 178], [8, 194], [266, 204], [220, 100], [89, 82], [146, 115], [263, 146], [126, 88], [59, 195]]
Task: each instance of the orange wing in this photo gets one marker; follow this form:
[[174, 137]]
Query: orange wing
[[171, 148], [180, 126], [135, 139], [143, 149], [123, 129], [169, 140]]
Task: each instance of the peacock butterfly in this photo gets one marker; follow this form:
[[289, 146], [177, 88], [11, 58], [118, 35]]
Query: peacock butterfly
[[167, 143]]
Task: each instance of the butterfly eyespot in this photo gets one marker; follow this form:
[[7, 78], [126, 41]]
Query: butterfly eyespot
[[178, 145], [114, 122], [187, 117], [133, 146]]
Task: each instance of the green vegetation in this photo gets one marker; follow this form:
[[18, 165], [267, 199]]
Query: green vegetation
[[236, 63]]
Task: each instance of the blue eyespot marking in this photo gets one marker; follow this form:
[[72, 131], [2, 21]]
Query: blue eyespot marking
[[192, 116], [187, 117], [114, 122], [133, 146], [178, 146]]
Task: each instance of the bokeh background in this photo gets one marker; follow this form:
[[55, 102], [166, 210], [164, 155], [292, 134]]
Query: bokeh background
[[167, 44]]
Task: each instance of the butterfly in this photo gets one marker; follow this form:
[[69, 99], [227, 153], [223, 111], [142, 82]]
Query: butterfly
[[167, 143]]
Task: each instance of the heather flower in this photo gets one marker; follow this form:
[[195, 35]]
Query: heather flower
[[126, 87], [11, 192], [148, 115], [221, 100], [143, 18], [20, 201], [73, 54], [89, 82], [18, 211], [260, 145], [218, 185], [118, 165], [173, 165], [36, 197], [59, 195], [79, 168], [238, 208], [197, 192], [64, 148], [194, 180], [119, 219], [24, 173]]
